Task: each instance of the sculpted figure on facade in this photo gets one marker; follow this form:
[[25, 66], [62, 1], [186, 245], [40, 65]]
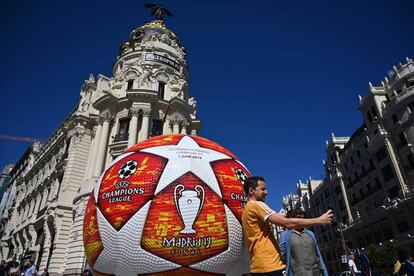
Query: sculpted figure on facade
[[177, 88], [83, 105], [193, 103], [144, 79]]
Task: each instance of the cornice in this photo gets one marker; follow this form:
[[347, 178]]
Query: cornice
[[104, 102], [141, 95]]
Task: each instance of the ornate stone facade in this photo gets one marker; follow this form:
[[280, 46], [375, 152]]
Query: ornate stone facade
[[370, 176], [146, 96]]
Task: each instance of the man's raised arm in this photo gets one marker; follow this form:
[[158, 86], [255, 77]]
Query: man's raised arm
[[290, 223]]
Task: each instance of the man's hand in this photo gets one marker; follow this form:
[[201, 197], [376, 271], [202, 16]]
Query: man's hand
[[327, 217]]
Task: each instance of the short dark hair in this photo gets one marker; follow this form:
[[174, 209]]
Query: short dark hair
[[251, 182], [295, 212]]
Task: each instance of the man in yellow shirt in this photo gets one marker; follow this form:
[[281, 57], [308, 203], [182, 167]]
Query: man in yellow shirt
[[257, 216]]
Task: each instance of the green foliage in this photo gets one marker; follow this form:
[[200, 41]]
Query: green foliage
[[383, 257]]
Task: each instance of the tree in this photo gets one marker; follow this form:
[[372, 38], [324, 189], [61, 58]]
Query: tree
[[383, 256]]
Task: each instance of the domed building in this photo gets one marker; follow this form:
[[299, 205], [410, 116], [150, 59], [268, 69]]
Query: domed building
[[147, 95]]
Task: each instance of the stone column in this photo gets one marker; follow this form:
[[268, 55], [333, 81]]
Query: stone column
[[345, 196], [94, 148], [103, 141], [133, 128], [184, 127], [145, 122], [89, 170], [31, 235], [36, 208], [176, 125], [166, 127], [4, 248], [395, 165]]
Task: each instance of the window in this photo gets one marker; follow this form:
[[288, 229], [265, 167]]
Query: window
[[403, 226], [123, 125], [411, 106], [402, 138], [345, 219], [388, 234], [161, 90], [374, 112], [156, 128], [394, 118], [359, 153], [394, 191], [130, 84], [410, 159], [368, 239], [381, 154], [377, 182], [371, 164], [122, 130], [378, 236], [352, 160], [369, 116], [356, 176], [346, 166], [387, 172], [341, 204]]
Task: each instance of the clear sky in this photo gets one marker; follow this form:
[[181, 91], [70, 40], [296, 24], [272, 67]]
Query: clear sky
[[272, 79]]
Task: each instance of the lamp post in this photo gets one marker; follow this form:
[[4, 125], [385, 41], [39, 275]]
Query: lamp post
[[345, 248]]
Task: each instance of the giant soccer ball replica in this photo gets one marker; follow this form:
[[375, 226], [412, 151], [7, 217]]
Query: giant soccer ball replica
[[170, 205]]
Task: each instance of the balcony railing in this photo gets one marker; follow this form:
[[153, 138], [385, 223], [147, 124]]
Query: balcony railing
[[398, 98], [121, 137], [401, 72]]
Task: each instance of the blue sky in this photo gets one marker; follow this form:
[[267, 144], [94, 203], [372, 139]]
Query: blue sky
[[272, 79]]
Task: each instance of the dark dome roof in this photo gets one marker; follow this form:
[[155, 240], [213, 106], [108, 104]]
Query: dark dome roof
[[156, 27]]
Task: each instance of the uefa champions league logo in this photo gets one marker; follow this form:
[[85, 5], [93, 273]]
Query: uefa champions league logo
[[189, 204]]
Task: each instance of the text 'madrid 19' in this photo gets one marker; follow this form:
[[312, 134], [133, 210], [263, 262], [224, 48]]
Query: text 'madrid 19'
[[170, 205]]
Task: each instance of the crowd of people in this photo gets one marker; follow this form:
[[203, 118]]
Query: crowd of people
[[404, 266], [15, 269]]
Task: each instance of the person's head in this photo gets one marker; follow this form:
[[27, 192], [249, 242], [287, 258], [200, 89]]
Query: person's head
[[353, 256], [3, 262], [410, 258], [296, 213], [254, 188]]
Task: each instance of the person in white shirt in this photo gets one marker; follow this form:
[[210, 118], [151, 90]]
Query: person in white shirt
[[353, 267]]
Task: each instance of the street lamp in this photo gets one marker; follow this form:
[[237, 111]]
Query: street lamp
[[343, 241]]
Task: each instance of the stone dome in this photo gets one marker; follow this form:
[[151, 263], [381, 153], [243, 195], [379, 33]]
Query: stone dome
[[151, 31]]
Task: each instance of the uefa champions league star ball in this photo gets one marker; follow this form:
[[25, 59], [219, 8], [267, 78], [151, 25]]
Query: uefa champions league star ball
[[170, 205]]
